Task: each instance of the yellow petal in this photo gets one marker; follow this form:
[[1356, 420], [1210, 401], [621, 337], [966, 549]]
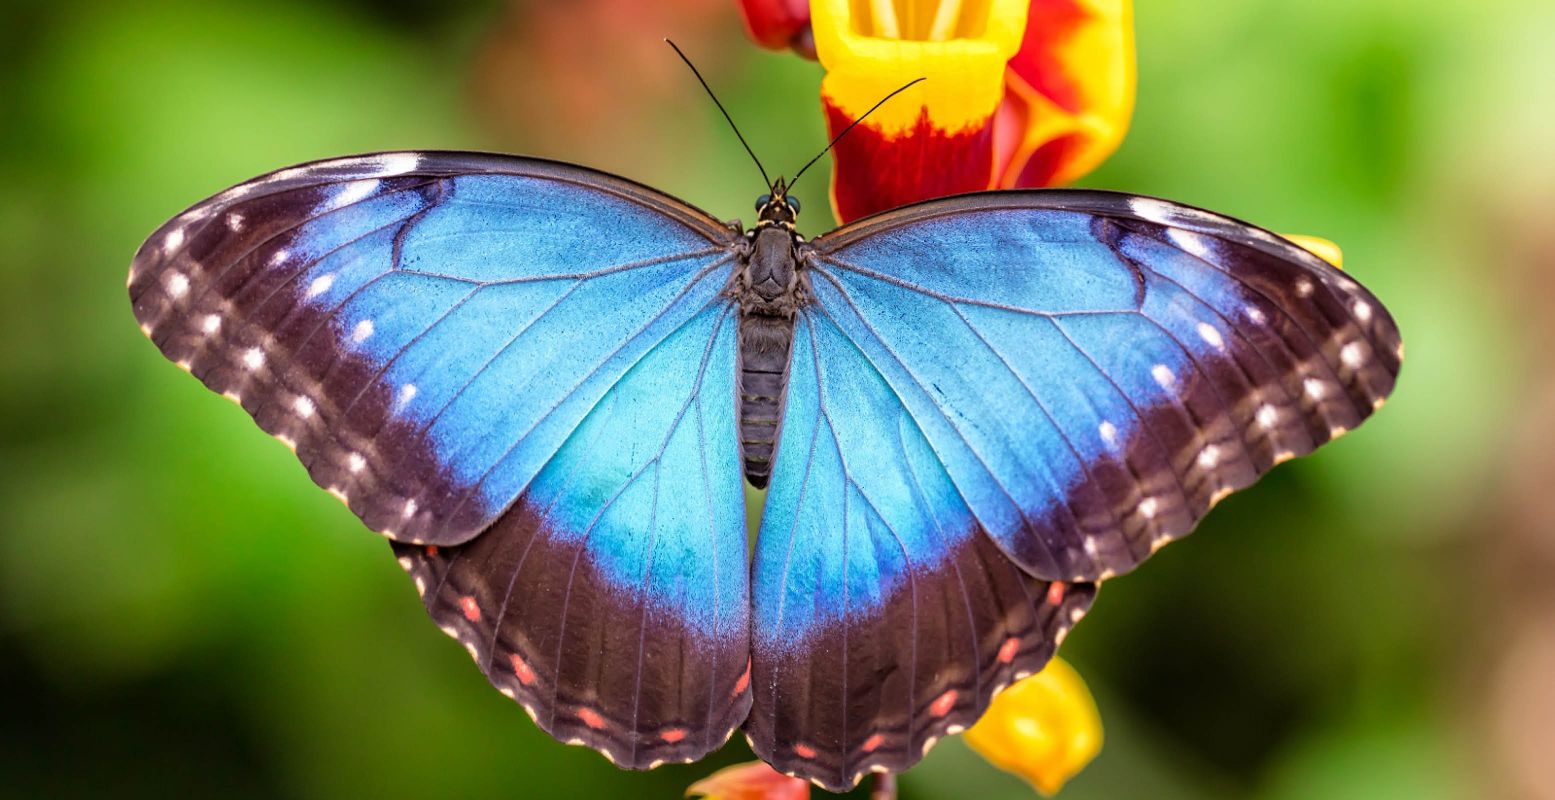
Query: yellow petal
[[1320, 247], [870, 47], [1045, 728]]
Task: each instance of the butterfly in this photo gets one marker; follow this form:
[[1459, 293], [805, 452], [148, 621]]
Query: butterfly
[[544, 384]]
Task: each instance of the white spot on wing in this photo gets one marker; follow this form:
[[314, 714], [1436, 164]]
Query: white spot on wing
[[1148, 507], [355, 462], [321, 284], [1163, 375], [1090, 546], [303, 406], [355, 191], [253, 359], [211, 324], [177, 284], [1209, 457], [1268, 416], [410, 509], [1256, 314], [1362, 310], [174, 240], [1315, 388], [362, 330], [1151, 209], [1109, 432], [396, 163], [280, 256], [407, 393], [234, 221], [1189, 241], [1304, 287], [1353, 355], [1211, 336]]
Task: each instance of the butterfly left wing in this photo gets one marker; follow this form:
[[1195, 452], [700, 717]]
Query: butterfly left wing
[[522, 372], [994, 391]]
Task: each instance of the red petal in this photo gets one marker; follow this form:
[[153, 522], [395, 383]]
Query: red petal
[[874, 171], [1040, 61], [776, 24], [751, 781]]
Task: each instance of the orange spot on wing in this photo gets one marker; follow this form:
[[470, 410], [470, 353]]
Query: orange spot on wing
[[1008, 649], [1055, 592], [591, 718], [471, 609], [745, 679], [804, 751], [673, 735], [942, 705], [431, 551], [872, 743], [522, 671]]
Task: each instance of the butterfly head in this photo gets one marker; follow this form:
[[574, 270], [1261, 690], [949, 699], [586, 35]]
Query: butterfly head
[[777, 207]]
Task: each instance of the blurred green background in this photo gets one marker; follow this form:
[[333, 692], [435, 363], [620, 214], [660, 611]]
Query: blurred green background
[[181, 611]]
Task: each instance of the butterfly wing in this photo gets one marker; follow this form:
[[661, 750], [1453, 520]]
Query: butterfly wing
[[458, 343], [1073, 378]]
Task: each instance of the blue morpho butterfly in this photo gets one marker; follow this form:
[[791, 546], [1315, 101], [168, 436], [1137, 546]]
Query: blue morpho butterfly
[[543, 383]]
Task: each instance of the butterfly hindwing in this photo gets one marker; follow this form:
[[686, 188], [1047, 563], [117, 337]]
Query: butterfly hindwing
[[522, 373], [1096, 370], [610, 600]]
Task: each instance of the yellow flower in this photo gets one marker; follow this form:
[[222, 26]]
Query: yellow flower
[[1045, 728]]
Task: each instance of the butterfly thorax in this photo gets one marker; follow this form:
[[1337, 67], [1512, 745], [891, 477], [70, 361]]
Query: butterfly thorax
[[770, 287]]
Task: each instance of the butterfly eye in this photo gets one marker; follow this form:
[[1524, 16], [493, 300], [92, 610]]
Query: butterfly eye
[[793, 202], [762, 201]]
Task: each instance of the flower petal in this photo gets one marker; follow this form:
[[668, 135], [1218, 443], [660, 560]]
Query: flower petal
[[1318, 246], [1071, 91], [779, 24], [1045, 728], [934, 139], [750, 781]]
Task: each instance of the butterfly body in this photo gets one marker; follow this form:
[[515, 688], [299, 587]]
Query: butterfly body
[[520, 372], [769, 287]]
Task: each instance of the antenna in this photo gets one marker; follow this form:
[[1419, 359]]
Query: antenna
[[839, 136], [765, 180]]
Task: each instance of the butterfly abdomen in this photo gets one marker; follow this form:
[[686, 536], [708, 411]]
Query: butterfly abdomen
[[768, 289], [764, 346]]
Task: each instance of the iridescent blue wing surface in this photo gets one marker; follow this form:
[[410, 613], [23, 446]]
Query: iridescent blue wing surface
[[504, 365], [1054, 384]]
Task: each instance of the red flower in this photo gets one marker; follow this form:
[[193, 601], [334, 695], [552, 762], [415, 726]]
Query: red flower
[[1019, 93]]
